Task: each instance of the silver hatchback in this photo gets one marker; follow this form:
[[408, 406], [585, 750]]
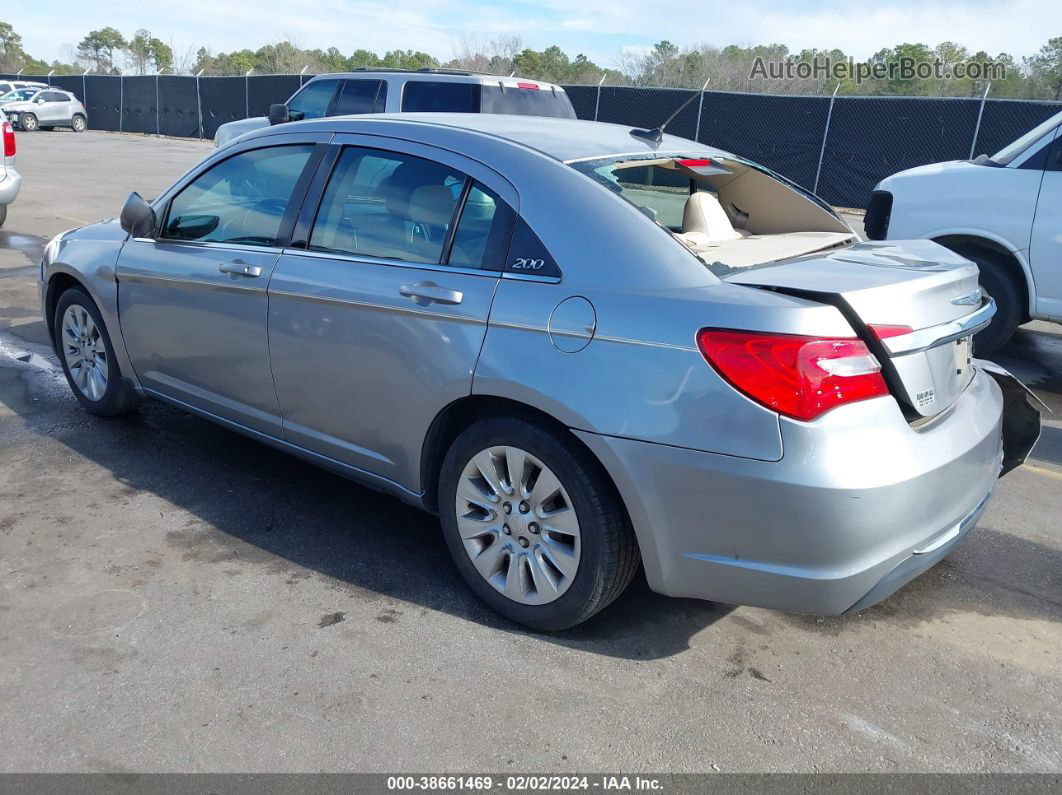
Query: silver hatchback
[[585, 348]]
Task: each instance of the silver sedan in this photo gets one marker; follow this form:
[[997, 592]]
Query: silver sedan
[[585, 348]]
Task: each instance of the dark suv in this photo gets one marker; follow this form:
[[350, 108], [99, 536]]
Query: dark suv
[[395, 90]]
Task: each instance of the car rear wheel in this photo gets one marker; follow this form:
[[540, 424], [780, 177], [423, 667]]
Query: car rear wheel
[[534, 524], [28, 122], [87, 356], [78, 124]]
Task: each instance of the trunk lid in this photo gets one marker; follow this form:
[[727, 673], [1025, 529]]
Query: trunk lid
[[918, 284]]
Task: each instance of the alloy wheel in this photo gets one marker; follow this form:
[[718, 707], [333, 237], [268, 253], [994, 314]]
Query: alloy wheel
[[85, 352], [518, 525]]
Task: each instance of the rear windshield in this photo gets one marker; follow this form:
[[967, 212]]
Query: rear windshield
[[527, 102], [656, 188]]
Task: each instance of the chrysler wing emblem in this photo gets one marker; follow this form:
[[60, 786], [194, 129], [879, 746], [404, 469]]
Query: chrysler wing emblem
[[970, 299]]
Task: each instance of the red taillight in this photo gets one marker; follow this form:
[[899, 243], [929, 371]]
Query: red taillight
[[801, 377], [9, 140], [528, 86], [694, 162], [883, 332]]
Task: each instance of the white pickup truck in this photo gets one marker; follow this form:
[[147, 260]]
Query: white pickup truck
[[1004, 212]]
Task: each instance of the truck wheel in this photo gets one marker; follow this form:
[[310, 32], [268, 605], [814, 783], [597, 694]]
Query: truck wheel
[[998, 284]]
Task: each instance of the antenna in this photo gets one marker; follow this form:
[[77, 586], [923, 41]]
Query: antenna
[[656, 135]]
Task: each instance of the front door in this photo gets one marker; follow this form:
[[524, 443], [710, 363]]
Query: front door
[[193, 303], [377, 316], [1045, 248]]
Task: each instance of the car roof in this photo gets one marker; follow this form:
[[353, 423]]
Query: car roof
[[563, 139], [439, 76]]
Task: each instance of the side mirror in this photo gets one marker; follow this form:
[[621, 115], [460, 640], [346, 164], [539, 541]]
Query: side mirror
[[137, 218], [278, 114]]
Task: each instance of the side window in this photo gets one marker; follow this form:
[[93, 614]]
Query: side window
[[312, 100], [387, 205], [432, 97], [483, 231], [1054, 157], [361, 96], [240, 200], [528, 256]]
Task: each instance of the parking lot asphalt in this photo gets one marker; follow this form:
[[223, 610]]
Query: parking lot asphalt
[[175, 597]]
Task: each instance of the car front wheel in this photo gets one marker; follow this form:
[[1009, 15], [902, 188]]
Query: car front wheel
[[28, 122], [87, 356], [534, 524]]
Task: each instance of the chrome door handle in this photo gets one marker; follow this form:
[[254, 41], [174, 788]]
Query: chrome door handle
[[424, 293], [240, 268]]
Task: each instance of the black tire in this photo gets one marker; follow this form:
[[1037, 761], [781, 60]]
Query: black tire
[[3, 214], [118, 397], [609, 550], [997, 282], [78, 124], [28, 123]]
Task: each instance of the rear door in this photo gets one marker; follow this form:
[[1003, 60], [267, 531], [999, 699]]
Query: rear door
[[378, 310], [360, 96], [1045, 249], [193, 302]]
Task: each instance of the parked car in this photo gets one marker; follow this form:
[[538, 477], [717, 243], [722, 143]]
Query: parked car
[[1003, 212], [10, 180], [11, 85], [424, 91], [46, 110], [581, 347]]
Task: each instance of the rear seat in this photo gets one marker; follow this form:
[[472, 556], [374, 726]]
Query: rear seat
[[705, 222]]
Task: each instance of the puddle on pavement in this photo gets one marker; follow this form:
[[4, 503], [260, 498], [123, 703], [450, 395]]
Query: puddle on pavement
[[29, 245]]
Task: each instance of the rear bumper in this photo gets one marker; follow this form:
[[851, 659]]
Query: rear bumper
[[9, 185], [859, 504]]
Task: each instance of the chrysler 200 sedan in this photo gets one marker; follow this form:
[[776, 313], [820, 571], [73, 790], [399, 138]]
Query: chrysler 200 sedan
[[584, 347]]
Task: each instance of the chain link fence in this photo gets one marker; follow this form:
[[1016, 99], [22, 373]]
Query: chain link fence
[[838, 147]]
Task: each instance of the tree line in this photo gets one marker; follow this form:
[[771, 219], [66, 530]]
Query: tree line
[[729, 68]]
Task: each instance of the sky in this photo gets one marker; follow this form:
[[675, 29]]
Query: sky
[[601, 29]]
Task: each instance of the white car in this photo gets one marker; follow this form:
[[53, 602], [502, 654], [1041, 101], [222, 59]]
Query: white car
[[1003, 212], [402, 90], [10, 181], [12, 85]]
